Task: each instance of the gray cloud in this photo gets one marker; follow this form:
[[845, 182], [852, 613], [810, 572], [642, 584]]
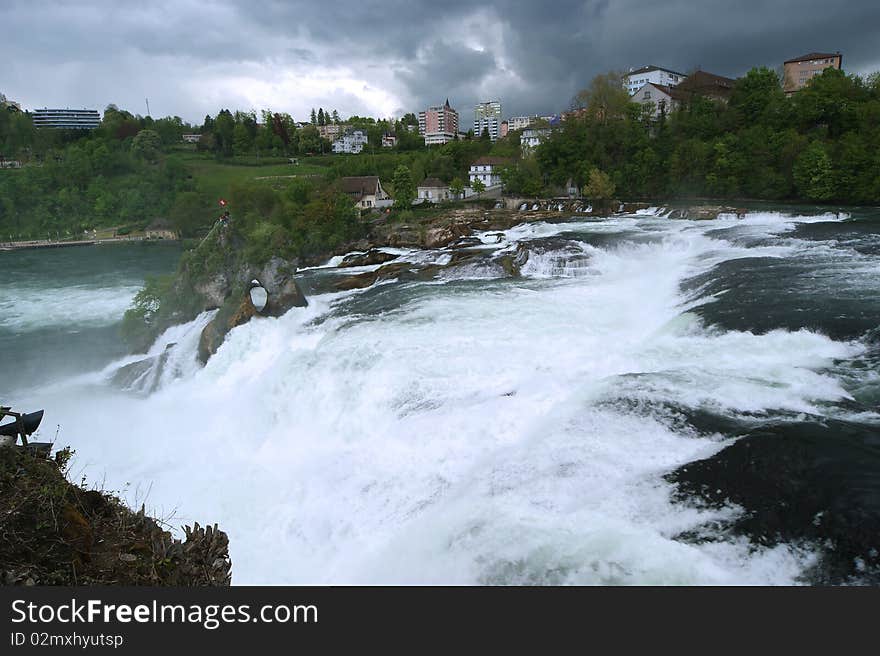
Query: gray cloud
[[376, 57]]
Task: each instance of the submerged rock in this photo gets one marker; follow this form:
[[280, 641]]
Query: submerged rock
[[362, 280]]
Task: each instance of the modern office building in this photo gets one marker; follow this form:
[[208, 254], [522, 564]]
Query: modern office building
[[66, 119], [487, 116], [438, 125], [800, 70]]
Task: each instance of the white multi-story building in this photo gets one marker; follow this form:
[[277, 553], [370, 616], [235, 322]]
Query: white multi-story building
[[487, 170], [487, 116], [352, 142], [636, 79]]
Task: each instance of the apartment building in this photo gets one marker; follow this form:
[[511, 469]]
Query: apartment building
[[799, 71], [636, 79], [487, 116], [438, 125]]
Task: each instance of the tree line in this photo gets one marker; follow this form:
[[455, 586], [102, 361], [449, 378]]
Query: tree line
[[822, 144]]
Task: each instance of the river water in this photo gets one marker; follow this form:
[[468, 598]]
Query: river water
[[475, 427]]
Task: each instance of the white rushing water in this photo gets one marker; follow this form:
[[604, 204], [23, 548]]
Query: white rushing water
[[470, 434]]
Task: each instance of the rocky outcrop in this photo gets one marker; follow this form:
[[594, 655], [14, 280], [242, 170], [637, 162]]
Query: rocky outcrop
[[58, 533], [277, 277], [444, 235]]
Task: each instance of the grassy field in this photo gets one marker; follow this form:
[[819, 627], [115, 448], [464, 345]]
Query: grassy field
[[217, 177]]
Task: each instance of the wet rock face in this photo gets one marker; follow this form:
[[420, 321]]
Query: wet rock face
[[214, 333], [800, 483], [513, 263], [213, 291]]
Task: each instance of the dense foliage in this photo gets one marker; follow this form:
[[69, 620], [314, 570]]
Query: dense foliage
[[76, 180], [821, 144]]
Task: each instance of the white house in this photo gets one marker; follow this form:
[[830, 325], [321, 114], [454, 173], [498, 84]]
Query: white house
[[663, 99], [433, 190], [531, 138], [636, 79], [353, 142], [487, 170]]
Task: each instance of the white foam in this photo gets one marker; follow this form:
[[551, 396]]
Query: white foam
[[463, 438]]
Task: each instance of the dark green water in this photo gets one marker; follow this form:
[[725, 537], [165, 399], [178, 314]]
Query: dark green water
[[60, 308]]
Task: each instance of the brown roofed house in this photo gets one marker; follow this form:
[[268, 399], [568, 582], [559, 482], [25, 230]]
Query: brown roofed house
[[709, 85], [366, 191]]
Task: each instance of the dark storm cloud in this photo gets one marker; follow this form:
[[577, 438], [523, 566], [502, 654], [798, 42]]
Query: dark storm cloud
[[373, 56]]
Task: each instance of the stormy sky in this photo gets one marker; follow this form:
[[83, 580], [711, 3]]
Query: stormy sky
[[386, 57]]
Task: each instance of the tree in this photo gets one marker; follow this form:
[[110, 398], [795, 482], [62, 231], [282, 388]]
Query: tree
[[605, 99], [813, 173], [599, 188], [189, 213], [224, 129], [241, 139], [335, 117], [478, 187], [147, 145], [314, 117], [404, 189], [322, 119], [456, 187]]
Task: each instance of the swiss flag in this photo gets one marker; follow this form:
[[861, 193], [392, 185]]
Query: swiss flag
[[222, 203]]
